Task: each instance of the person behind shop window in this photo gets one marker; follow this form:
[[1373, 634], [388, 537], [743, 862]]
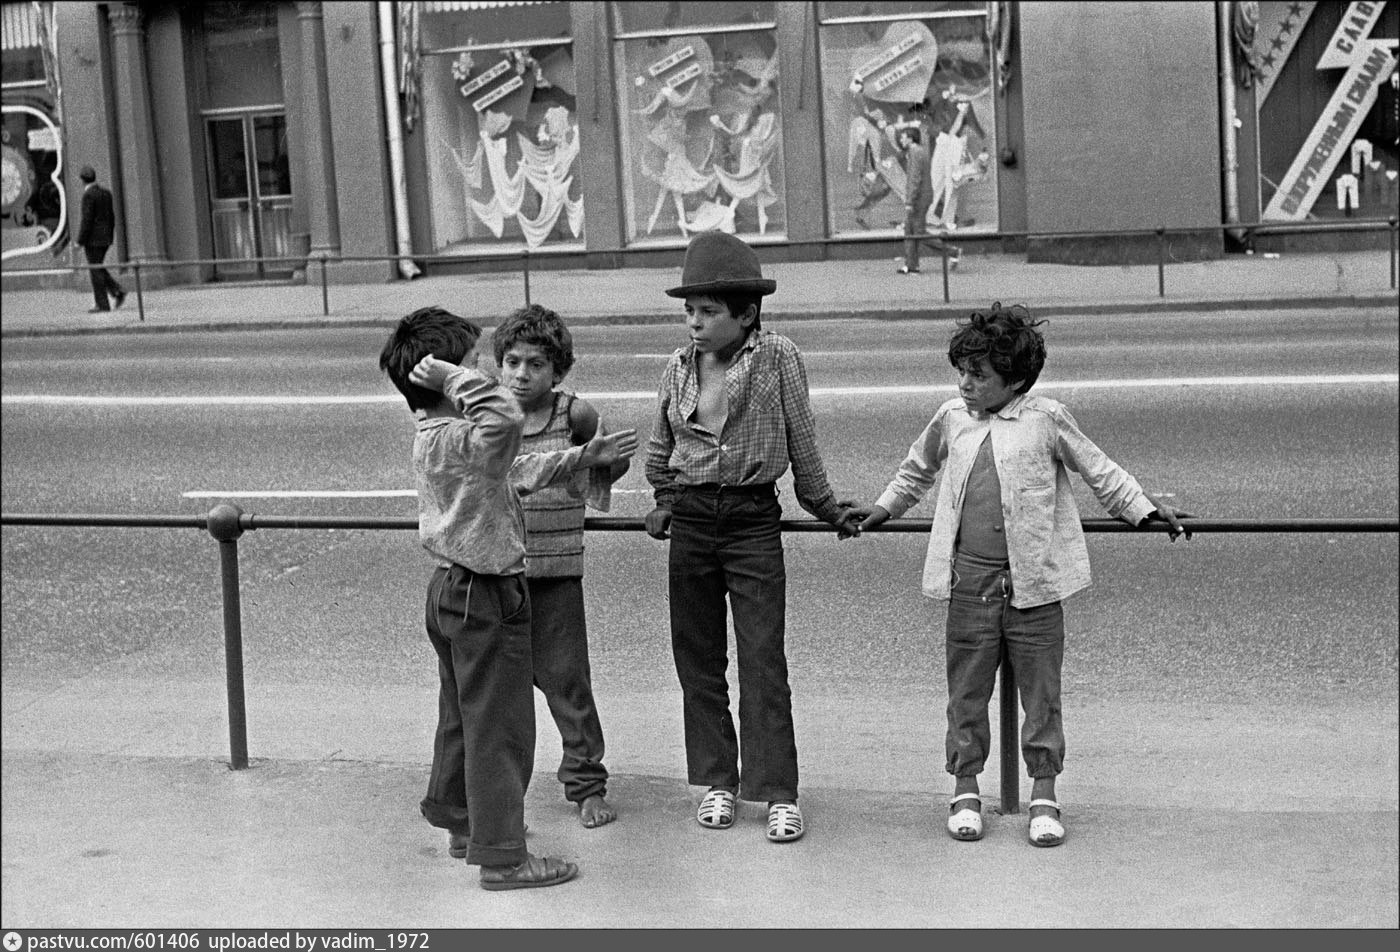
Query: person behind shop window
[[918, 196]]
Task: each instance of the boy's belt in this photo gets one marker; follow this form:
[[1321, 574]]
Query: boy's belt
[[755, 490]]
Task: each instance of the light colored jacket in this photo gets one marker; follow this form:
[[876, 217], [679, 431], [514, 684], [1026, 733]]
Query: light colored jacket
[[1035, 442]]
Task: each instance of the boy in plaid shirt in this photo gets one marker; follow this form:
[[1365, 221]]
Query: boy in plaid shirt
[[732, 414]]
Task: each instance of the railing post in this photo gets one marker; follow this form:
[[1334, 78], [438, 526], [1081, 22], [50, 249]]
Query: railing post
[[1394, 222], [1010, 759], [224, 525], [325, 295], [1161, 262], [526, 258], [140, 299], [944, 252]]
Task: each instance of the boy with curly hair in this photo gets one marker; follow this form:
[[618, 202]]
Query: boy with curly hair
[[1007, 547], [535, 352], [465, 468]]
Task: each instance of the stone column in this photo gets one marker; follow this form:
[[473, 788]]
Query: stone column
[[136, 184], [322, 206]]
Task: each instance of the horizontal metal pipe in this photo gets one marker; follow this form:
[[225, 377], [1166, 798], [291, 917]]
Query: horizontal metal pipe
[[249, 521], [489, 257]]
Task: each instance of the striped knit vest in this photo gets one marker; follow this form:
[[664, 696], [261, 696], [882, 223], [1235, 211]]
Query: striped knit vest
[[554, 515]]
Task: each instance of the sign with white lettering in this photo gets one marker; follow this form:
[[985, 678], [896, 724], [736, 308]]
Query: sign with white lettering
[[486, 78], [1368, 63], [500, 92], [675, 59], [888, 56], [893, 76]]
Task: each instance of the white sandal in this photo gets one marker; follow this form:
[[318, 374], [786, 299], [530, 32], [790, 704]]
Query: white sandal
[[1046, 830], [965, 824], [784, 823], [716, 810]]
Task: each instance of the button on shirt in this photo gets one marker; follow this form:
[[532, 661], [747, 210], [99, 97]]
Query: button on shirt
[[1035, 443], [770, 426]]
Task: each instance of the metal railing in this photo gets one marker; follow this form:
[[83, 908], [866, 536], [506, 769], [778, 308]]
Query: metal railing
[[1244, 232], [226, 523]]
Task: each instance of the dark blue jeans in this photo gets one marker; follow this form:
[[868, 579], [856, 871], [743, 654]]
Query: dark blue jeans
[[981, 621], [726, 544], [560, 637], [484, 749]]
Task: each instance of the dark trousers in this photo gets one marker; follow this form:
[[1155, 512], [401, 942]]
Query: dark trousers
[[727, 543], [560, 640], [915, 232], [981, 621], [484, 749], [103, 283]]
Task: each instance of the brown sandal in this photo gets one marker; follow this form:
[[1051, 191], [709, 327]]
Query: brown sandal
[[535, 871]]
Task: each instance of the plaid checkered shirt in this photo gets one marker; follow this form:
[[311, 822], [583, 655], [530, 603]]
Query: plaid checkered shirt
[[770, 425]]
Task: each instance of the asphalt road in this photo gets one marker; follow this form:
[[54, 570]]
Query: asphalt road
[[1199, 407], [1230, 702]]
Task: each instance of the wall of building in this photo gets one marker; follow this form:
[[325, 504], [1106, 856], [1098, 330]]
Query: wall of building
[[179, 154], [1110, 121], [1121, 123], [86, 111], [357, 135]]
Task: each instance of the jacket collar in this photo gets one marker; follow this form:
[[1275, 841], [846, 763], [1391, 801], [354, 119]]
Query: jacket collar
[[750, 343]]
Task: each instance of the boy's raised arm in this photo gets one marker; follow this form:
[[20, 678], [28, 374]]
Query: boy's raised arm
[[533, 471], [494, 415]]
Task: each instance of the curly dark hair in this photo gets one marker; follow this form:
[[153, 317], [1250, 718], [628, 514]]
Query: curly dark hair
[[538, 326], [428, 330], [1007, 337]]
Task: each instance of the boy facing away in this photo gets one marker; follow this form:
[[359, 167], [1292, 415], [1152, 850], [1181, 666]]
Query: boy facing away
[[732, 414], [534, 352], [478, 606], [1006, 548]]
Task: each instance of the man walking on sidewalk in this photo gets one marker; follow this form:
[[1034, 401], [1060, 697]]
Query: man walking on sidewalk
[[95, 232], [918, 198]]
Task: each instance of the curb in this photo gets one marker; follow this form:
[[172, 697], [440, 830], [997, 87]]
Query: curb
[[934, 312]]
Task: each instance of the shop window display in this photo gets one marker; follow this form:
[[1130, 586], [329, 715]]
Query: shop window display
[[1325, 85], [891, 66], [700, 119], [500, 121], [34, 214]]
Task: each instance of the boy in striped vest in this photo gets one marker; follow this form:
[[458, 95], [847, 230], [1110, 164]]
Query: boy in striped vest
[[535, 351]]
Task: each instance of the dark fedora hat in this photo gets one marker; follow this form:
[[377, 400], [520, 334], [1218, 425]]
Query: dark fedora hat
[[717, 262]]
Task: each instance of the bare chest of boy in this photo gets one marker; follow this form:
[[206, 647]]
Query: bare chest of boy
[[712, 410]]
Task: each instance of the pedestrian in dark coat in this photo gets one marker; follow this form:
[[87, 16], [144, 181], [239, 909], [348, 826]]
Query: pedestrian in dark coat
[[95, 232]]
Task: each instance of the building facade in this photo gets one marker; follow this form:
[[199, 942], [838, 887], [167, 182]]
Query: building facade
[[245, 137]]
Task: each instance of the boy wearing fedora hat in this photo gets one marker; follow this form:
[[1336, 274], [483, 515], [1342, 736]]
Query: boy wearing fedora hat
[[732, 415]]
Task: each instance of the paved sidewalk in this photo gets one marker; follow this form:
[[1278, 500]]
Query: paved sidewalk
[[831, 289], [322, 831]]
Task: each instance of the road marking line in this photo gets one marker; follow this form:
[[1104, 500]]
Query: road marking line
[[301, 494], [327, 493], [1300, 380]]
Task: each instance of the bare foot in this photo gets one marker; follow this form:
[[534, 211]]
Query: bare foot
[[596, 811]]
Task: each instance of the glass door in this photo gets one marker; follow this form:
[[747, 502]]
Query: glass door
[[250, 194]]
